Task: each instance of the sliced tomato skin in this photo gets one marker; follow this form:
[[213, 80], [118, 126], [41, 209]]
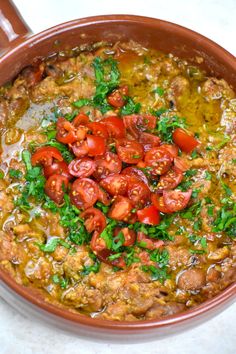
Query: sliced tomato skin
[[135, 172], [149, 141], [129, 151], [94, 220], [80, 119], [115, 184], [98, 129], [176, 200], [129, 235], [150, 244], [107, 164], [138, 192], [121, 209], [115, 127], [158, 202], [81, 168], [84, 193], [66, 132], [96, 145], [170, 179], [45, 156], [58, 168], [54, 188], [80, 148], [185, 141], [159, 159], [149, 215]]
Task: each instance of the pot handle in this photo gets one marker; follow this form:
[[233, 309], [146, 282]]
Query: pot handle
[[12, 26]]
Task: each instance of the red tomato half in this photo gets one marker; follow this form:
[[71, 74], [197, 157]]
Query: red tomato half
[[115, 127], [115, 184], [185, 140], [66, 132], [129, 151], [181, 164], [129, 235], [84, 193], [98, 129], [150, 244], [107, 164], [116, 98], [159, 159], [170, 179], [121, 209], [138, 192], [135, 172], [80, 119], [55, 188], [98, 244], [137, 123], [103, 197], [149, 141], [57, 168], [96, 145], [158, 202], [94, 220], [45, 155], [176, 200], [81, 168], [149, 215], [80, 148], [172, 149]]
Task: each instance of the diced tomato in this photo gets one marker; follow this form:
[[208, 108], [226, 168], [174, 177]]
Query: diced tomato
[[57, 168], [185, 140], [116, 99], [135, 172], [158, 202], [159, 159], [170, 179], [181, 164], [45, 156], [66, 132], [80, 148], [129, 151], [115, 127], [172, 149], [138, 192], [98, 129], [96, 145], [103, 197], [94, 220], [80, 119], [176, 200], [120, 209], [148, 243], [98, 244], [128, 234], [55, 188], [107, 164], [137, 123], [149, 141], [84, 193], [149, 215], [81, 168], [115, 184]]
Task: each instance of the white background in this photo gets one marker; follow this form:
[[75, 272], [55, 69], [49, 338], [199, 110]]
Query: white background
[[213, 18]]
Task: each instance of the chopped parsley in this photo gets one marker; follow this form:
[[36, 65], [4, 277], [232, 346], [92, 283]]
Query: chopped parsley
[[15, 173], [160, 91], [130, 107], [158, 271], [63, 282], [52, 244], [166, 126]]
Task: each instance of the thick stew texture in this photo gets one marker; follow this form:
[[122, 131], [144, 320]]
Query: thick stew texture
[[117, 182]]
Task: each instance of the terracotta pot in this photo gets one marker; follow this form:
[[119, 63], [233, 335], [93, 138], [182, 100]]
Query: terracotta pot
[[19, 48]]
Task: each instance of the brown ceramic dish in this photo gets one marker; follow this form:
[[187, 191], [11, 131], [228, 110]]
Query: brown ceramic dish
[[19, 49]]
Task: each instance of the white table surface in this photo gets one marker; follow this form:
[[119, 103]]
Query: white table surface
[[212, 18]]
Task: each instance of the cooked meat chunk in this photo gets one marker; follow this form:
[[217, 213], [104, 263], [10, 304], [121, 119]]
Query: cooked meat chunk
[[191, 279]]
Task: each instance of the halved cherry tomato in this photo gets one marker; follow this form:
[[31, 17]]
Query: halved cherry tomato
[[98, 129], [172, 149], [149, 215], [94, 220], [185, 140], [80, 119], [98, 244], [149, 141], [170, 179], [115, 127], [116, 99], [66, 132], [176, 200], [103, 197], [55, 188], [129, 151], [83, 167], [159, 159], [57, 168], [129, 235], [96, 145], [84, 193], [135, 172], [181, 164], [158, 202], [150, 244], [104, 254], [45, 155], [138, 192], [107, 164], [80, 148], [120, 209], [136, 123], [115, 184]]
